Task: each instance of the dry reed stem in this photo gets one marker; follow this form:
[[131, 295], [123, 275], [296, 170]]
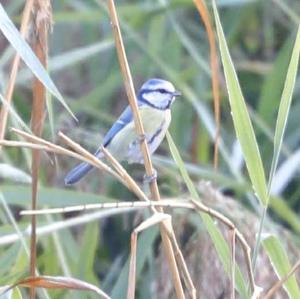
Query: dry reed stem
[[170, 203], [133, 186], [84, 155], [42, 20], [246, 248], [14, 70], [203, 11], [101, 165], [132, 266], [153, 220], [50, 147], [178, 254], [183, 267], [280, 282], [122, 173], [144, 148]]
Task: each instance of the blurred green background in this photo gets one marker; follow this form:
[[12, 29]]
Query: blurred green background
[[163, 39]]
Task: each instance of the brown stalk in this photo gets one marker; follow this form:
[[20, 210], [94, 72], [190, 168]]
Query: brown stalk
[[50, 147], [203, 11], [42, 23], [122, 173], [122, 176], [170, 203], [153, 220], [133, 186], [144, 148], [246, 248], [280, 282], [14, 70], [183, 267]]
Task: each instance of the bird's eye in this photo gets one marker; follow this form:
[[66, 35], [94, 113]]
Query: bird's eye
[[161, 90]]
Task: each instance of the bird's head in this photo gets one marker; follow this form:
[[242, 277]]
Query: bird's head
[[158, 94]]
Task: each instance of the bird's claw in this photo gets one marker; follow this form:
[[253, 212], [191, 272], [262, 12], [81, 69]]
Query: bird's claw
[[142, 138], [150, 178]]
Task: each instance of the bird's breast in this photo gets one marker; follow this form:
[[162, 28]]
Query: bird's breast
[[153, 118], [126, 145]]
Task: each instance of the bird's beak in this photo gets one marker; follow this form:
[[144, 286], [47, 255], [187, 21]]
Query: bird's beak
[[176, 93]]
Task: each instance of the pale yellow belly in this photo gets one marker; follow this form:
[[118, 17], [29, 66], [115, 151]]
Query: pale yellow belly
[[125, 145]]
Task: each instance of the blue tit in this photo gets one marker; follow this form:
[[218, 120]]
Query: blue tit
[[154, 101]]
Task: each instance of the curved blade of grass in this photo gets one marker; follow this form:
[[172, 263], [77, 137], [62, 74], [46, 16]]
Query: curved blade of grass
[[273, 84], [285, 173], [286, 213], [241, 119], [281, 265], [14, 174], [51, 197], [70, 58], [23, 49], [220, 244], [285, 104], [12, 294], [57, 282]]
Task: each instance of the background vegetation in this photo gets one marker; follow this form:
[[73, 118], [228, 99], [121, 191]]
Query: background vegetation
[[163, 39]]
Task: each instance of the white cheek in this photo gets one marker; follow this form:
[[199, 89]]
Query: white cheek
[[155, 97]]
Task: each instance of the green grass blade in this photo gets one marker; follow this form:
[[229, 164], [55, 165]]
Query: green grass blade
[[23, 49], [12, 173], [241, 119], [285, 104], [219, 242], [50, 197], [273, 84], [281, 265]]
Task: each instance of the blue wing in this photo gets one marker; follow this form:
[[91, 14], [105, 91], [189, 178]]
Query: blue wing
[[125, 118], [83, 168]]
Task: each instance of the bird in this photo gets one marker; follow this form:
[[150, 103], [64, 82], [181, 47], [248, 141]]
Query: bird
[[154, 101]]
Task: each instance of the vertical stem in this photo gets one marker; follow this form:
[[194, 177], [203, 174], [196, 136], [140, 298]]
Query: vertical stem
[[42, 21], [203, 11], [258, 239], [14, 71], [144, 147]]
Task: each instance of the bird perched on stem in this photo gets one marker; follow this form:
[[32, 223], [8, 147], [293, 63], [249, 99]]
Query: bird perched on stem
[[154, 101]]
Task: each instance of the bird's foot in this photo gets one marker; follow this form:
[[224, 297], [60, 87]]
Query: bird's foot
[[150, 178], [142, 138]]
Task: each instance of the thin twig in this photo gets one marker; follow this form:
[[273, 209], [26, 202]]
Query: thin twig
[[41, 144], [280, 282], [203, 11], [14, 70], [153, 220], [78, 148], [169, 203], [144, 148], [42, 20], [132, 185], [246, 248]]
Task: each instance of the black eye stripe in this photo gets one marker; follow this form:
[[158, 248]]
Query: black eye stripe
[[161, 90]]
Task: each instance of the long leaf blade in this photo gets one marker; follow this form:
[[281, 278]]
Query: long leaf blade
[[241, 119], [281, 265], [285, 104], [219, 242], [23, 49]]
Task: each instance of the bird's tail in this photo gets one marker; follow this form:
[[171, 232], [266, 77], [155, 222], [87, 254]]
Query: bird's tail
[[78, 172]]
